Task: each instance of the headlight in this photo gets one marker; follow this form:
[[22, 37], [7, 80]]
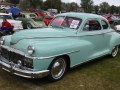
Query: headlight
[[2, 41], [30, 50]]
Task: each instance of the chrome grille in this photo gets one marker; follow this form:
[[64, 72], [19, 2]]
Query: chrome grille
[[14, 57]]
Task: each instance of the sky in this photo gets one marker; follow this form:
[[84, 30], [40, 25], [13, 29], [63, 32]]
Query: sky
[[97, 2]]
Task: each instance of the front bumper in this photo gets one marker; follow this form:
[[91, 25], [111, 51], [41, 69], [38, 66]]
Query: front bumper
[[17, 70]]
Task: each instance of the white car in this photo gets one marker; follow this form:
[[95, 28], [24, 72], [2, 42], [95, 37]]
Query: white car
[[16, 23], [4, 7]]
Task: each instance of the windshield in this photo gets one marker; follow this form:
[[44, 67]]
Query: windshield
[[66, 22], [6, 16]]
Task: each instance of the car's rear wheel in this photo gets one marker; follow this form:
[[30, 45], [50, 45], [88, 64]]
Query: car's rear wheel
[[29, 26], [57, 69], [115, 51]]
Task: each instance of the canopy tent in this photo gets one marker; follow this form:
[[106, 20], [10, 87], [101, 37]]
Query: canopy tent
[[15, 11]]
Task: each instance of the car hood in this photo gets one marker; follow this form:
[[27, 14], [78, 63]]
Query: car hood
[[42, 33]]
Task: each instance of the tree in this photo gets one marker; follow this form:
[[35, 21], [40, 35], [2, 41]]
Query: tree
[[13, 1], [24, 4], [104, 7], [70, 6], [36, 3], [53, 4], [87, 5], [112, 9], [96, 8], [73, 6]]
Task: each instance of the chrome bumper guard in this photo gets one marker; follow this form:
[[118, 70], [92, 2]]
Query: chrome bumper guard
[[15, 69]]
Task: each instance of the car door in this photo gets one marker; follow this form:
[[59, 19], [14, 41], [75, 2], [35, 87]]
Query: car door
[[107, 33], [94, 34]]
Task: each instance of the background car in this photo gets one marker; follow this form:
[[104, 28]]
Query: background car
[[113, 20], [47, 16], [16, 23], [31, 20]]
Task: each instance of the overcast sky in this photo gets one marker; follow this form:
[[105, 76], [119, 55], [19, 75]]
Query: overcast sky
[[97, 2]]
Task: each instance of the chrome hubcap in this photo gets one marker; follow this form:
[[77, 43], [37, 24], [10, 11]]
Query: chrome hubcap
[[28, 26], [115, 51], [58, 68]]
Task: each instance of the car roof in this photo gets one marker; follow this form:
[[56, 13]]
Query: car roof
[[81, 15]]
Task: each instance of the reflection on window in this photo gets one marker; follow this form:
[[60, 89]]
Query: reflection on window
[[66, 22]]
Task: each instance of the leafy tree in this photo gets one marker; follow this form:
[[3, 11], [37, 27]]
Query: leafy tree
[[24, 4], [35, 3], [73, 6], [13, 1], [104, 7], [53, 4], [112, 9], [96, 8], [87, 5], [70, 6]]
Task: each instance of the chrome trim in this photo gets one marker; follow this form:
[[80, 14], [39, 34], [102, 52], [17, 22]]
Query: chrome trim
[[13, 50], [12, 43], [30, 57], [15, 69]]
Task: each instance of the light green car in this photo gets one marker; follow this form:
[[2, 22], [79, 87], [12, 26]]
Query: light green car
[[71, 39], [31, 21]]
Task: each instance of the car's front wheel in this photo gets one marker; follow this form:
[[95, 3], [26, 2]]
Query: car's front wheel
[[115, 51], [29, 26], [57, 69]]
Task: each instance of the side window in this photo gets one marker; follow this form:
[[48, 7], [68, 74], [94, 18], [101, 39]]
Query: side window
[[104, 24], [92, 25]]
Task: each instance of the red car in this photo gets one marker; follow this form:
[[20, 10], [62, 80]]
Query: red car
[[46, 17], [47, 20], [108, 18]]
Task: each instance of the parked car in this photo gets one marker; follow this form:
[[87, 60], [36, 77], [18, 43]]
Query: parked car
[[51, 51], [4, 6], [47, 20], [47, 16], [53, 10], [16, 23], [30, 21], [113, 20]]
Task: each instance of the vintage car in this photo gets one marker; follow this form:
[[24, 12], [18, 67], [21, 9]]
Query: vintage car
[[51, 51], [47, 17], [31, 21], [16, 23]]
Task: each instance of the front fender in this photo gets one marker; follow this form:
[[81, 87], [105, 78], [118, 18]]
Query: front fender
[[56, 46]]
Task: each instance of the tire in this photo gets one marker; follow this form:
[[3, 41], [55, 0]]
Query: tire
[[57, 69], [115, 23], [115, 51], [29, 26]]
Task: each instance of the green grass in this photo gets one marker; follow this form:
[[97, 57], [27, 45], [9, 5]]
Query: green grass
[[100, 74]]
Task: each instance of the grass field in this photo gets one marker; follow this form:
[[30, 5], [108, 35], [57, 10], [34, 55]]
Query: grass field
[[100, 74]]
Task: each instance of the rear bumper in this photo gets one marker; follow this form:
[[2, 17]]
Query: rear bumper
[[17, 70]]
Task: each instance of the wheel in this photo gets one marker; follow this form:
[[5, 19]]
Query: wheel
[[115, 23], [29, 26], [57, 69], [115, 51]]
